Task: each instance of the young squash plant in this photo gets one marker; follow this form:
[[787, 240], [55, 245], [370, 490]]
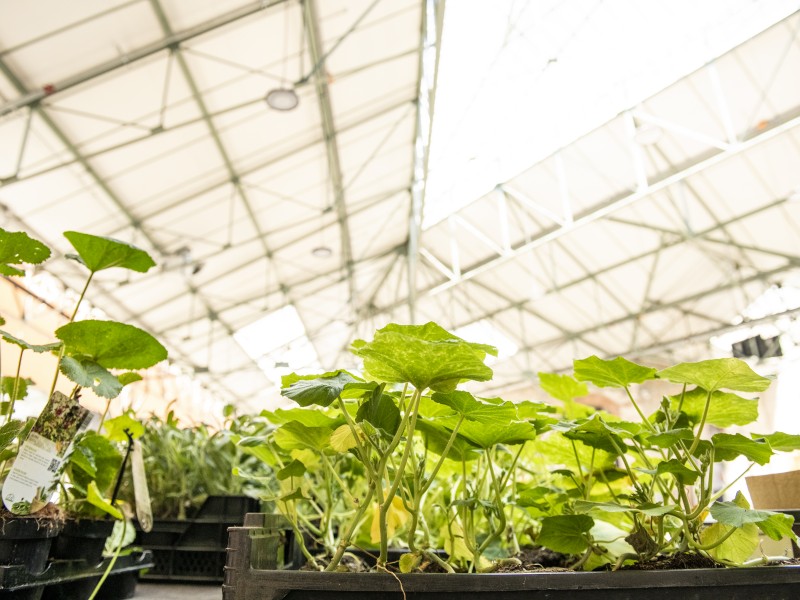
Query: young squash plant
[[99, 355], [668, 459], [405, 422]]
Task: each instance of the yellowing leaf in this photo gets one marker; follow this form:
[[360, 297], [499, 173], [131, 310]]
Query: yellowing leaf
[[308, 457], [342, 439], [454, 543], [396, 516]]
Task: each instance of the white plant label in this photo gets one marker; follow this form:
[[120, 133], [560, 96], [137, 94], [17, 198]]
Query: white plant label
[[41, 459]]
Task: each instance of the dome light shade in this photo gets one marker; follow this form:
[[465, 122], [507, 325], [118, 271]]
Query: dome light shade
[[282, 99], [322, 251]]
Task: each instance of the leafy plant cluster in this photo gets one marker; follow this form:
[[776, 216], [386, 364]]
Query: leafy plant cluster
[[402, 457], [92, 354], [187, 463]]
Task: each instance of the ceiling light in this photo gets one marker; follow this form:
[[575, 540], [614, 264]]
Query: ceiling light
[[794, 195], [322, 251], [282, 99], [648, 134]]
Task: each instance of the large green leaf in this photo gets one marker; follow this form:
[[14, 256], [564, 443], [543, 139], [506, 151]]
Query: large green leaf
[[437, 436], [321, 390], [473, 409], [726, 409], [562, 387], [778, 526], [783, 442], [294, 435], [293, 469], [618, 372], [426, 356], [103, 456], [488, 435], [111, 345], [310, 417], [667, 439], [16, 248], [717, 374], [99, 253], [596, 433], [737, 548], [381, 412], [88, 374], [38, 348], [677, 469], [743, 542], [729, 446], [565, 533]]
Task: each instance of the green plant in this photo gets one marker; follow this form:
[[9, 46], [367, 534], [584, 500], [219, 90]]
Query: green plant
[[402, 456], [100, 355], [186, 464], [668, 461]]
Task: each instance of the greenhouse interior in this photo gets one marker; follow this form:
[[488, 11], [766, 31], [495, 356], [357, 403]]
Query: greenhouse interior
[[485, 299]]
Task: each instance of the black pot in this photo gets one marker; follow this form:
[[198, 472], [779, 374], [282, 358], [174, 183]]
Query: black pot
[[26, 541], [764, 583], [82, 539]]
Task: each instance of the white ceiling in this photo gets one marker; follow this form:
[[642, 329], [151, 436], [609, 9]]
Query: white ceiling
[[146, 121]]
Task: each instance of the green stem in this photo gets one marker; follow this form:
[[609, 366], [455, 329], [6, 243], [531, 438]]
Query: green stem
[[362, 452], [431, 478], [498, 531], [639, 410], [344, 541], [111, 564], [16, 385], [702, 424], [413, 410], [714, 544]]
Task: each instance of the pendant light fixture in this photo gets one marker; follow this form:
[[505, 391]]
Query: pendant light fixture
[[284, 97]]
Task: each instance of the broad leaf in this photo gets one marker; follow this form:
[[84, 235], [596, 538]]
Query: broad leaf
[[743, 542], [310, 417], [16, 248], [596, 433], [562, 387], [381, 412], [321, 390], [473, 409], [128, 378], [681, 472], [486, 436], [717, 374], [293, 469], [9, 432], [778, 526], [296, 435], [343, 439], [38, 348], [111, 345], [9, 384], [738, 512], [88, 374], [565, 533], [99, 253], [618, 372], [104, 457], [728, 446], [436, 438], [410, 561], [94, 498], [426, 356], [116, 428], [726, 409], [783, 442], [667, 439]]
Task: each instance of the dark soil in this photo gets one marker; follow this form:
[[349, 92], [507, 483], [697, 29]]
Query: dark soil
[[680, 560], [535, 558]]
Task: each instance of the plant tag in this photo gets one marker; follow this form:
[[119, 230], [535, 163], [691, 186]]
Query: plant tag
[[42, 457], [141, 492]]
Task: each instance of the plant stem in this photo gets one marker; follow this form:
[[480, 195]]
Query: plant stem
[[344, 541], [639, 410], [430, 479], [702, 424]]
